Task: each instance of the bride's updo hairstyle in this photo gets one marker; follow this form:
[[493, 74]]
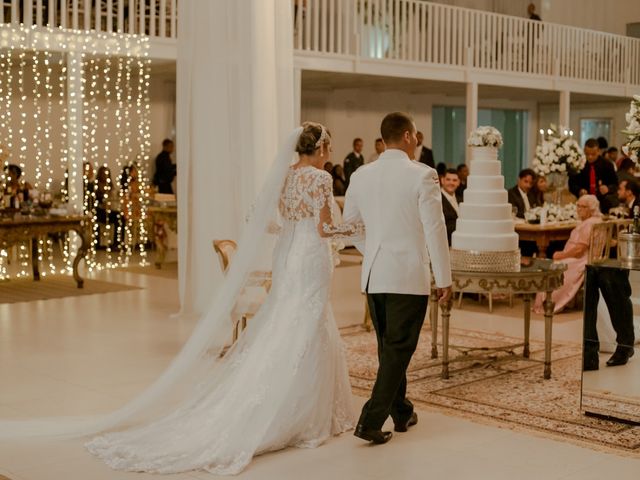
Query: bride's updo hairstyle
[[312, 137]]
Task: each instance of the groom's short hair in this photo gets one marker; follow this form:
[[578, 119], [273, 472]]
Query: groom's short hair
[[394, 125]]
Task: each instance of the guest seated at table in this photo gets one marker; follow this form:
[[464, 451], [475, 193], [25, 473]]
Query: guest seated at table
[[449, 183], [629, 196], [131, 193], [463, 173], [574, 254], [538, 190], [339, 182], [520, 195], [16, 188], [107, 205]]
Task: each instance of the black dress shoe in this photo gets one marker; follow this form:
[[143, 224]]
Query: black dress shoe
[[590, 363], [590, 366], [620, 357], [403, 427], [371, 435]]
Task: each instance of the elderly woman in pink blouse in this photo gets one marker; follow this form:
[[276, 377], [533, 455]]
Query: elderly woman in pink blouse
[[574, 254]]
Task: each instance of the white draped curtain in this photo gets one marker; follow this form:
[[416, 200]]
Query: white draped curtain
[[235, 100]]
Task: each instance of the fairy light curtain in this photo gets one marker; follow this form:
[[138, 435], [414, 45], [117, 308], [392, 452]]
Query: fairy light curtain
[[68, 97]]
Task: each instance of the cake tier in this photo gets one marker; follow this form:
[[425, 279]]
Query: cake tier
[[485, 182], [484, 153], [485, 212], [483, 168], [485, 197], [487, 242], [484, 227]]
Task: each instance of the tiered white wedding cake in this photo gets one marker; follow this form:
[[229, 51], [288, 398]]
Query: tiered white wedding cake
[[485, 239]]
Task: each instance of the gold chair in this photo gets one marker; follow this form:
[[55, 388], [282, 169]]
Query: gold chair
[[600, 242], [226, 249]]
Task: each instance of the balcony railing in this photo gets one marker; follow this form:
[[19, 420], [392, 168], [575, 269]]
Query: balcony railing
[[155, 18], [432, 34]]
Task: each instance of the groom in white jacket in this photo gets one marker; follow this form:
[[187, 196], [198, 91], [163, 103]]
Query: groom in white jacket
[[399, 202]]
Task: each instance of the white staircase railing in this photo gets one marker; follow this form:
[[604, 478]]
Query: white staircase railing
[[428, 33], [155, 18]]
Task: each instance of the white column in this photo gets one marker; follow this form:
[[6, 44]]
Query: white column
[[471, 113], [235, 105], [565, 109]]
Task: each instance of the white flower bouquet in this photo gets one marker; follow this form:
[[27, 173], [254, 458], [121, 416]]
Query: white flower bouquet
[[558, 153], [550, 212], [632, 148], [486, 136]]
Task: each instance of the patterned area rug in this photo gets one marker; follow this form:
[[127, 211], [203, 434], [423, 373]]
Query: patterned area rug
[[502, 389], [54, 286]]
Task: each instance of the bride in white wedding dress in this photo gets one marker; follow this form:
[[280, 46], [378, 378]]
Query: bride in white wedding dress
[[285, 381]]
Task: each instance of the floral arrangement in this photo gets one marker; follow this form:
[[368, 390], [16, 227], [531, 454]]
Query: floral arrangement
[[558, 153], [552, 213], [485, 137], [632, 148]]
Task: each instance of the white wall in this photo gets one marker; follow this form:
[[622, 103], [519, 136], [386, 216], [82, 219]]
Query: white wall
[[351, 113], [614, 110]]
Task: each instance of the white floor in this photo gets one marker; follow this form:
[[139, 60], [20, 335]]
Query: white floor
[[90, 354]]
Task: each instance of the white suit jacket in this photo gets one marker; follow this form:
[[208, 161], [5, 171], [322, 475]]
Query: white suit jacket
[[399, 202]]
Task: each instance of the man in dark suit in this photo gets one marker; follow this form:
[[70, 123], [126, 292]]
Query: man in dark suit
[[520, 195], [165, 168], [424, 154], [463, 173], [354, 160], [450, 182], [629, 195], [598, 178]]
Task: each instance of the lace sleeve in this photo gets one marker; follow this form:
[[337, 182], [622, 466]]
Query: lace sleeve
[[323, 199]]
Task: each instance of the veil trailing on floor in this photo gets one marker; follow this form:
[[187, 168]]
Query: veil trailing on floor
[[194, 363]]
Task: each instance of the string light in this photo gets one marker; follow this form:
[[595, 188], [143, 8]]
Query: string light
[[60, 78]]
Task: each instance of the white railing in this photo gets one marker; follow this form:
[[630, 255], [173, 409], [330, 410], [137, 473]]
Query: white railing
[[156, 18], [429, 33]]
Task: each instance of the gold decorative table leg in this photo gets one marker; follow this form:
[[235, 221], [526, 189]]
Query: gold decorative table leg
[[446, 312], [433, 318], [549, 305], [527, 324]]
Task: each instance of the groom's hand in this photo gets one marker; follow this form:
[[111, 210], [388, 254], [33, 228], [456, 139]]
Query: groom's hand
[[444, 294]]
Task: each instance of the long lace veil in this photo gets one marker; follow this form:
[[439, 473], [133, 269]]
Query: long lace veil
[[195, 363]]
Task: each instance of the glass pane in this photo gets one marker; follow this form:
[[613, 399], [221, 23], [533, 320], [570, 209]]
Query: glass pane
[[594, 128], [610, 384]]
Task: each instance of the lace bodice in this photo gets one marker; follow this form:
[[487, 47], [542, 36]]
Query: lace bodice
[[308, 194]]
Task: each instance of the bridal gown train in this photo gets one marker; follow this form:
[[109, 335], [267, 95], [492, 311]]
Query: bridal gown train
[[284, 383]]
